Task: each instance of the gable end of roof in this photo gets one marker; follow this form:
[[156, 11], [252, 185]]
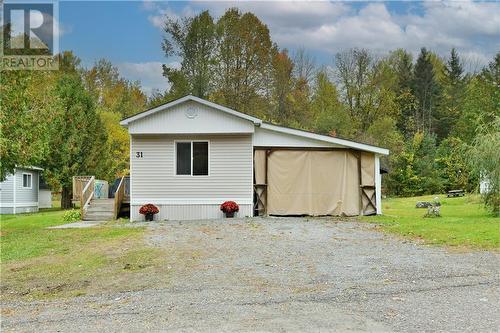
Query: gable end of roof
[[144, 114]]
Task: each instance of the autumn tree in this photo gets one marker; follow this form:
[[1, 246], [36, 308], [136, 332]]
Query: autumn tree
[[193, 40], [244, 59], [115, 98]]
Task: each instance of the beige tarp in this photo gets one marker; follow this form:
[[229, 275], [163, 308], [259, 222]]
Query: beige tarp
[[260, 177], [313, 183]]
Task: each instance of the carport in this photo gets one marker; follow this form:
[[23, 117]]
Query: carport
[[314, 181]]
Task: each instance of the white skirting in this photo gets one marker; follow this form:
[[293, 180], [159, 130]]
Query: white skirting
[[188, 212]]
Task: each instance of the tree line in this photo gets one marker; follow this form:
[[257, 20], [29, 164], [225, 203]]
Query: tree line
[[428, 111], [440, 122], [67, 121]]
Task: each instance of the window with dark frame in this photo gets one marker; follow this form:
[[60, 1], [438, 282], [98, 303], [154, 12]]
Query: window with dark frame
[[26, 180], [192, 158]]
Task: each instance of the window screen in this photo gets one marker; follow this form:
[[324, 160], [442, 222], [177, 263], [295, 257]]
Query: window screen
[[26, 180], [200, 158], [183, 158]]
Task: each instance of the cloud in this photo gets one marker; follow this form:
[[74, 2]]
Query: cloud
[[329, 27], [158, 19], [148, 73]]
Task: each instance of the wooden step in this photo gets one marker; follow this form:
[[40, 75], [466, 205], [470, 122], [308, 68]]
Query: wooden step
[[98, 216], [100, 210]]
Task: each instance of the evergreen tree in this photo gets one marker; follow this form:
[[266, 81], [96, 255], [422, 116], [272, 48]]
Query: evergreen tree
[[452, 99], [76, 132], [425, 88]]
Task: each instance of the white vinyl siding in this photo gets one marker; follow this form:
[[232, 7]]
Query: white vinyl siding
[[269, 138], [190, 117], [25, 198], [153, 178]]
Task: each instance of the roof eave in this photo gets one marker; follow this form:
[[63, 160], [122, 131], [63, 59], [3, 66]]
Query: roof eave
[[324, 138]]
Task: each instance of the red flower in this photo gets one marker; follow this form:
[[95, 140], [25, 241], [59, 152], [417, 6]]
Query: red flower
[[229, 207], [149, 209]]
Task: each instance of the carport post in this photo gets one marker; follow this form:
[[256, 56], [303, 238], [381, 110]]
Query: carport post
[[378, 185]]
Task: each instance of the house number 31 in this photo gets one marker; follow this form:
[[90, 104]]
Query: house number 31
[[138, 154]]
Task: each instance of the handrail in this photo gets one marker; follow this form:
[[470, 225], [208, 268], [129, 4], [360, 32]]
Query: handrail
[[119, 193], [84, 201]]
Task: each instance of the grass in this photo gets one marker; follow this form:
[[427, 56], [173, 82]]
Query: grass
[[41, 263], [464, 223]]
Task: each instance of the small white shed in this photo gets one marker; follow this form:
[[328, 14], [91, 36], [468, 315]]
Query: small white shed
[[190, 155]]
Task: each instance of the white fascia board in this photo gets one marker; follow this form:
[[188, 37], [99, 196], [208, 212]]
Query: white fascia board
[[324, 138], [29, 167], [127, 121]]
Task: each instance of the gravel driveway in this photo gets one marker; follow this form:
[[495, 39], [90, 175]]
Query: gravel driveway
[[287, 274]]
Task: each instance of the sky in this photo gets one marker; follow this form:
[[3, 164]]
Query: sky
[[129, 33]]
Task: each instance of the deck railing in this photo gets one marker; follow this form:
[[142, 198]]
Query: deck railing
[[86, 195], [119, 194], [79, 183]]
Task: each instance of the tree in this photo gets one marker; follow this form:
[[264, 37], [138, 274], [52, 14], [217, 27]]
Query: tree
[[115, 98], [480, 105], [330, 116], [76, 132], [193, 40], [27, 101], [452, 99], [484, 159], [414, 170], [401, 63], [425, 88], [304, 66], [282, 86], [353, 69], [245, 52], [451, 158]]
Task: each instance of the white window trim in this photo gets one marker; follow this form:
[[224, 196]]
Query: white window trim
[[31, 181], [175, 158]]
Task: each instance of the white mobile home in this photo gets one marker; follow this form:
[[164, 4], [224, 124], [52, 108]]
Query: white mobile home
[[190, 155], [19, 191]]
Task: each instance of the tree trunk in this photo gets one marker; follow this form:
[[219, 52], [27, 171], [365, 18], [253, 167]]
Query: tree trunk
[[66, 198]]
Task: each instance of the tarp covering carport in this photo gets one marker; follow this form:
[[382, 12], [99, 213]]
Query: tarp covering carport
[[313, 182]]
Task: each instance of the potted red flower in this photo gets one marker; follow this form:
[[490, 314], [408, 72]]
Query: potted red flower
[[149, 210], [229, 208]]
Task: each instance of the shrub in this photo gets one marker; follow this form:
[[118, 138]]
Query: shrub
[[149, 209], [72, 215], [229, 207]]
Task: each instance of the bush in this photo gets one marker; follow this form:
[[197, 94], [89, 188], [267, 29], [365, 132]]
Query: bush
[[72, 215]]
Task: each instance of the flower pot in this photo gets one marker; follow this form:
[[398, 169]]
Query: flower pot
[[149, 217], [229, 214]]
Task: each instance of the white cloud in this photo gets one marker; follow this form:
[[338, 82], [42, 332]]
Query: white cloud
[[472, 27], [158, 19], [150, 74]]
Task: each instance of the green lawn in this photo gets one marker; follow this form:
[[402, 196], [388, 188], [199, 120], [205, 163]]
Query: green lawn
[[464, 223], [40, 263]]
